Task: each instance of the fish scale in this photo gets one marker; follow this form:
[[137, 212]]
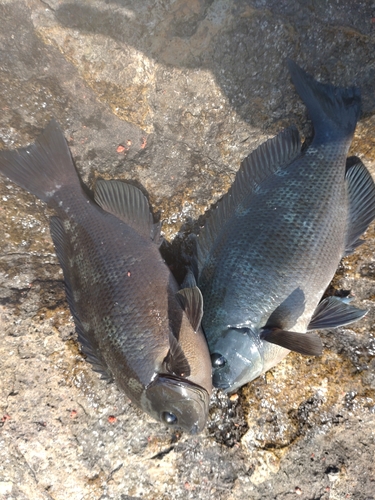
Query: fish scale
[[133, 322], [268, 237], [271, 247], [105, 268]]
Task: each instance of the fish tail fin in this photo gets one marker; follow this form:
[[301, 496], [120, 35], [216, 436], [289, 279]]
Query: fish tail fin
[[334, 111], [43, 167]]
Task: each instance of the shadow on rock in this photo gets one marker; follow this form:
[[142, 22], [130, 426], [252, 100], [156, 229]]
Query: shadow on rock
[[243, 44]]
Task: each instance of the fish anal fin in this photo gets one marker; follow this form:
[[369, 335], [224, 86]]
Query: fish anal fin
[[361, 194], [333, 312], [176, 361], [274, 154], [89, 346], [191, 301], [129, 204], [303, 343]]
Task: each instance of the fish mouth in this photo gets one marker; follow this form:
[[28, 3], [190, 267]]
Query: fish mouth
[[202, 398], [195, 430], [188, 401], [241, 349], [219, 381]]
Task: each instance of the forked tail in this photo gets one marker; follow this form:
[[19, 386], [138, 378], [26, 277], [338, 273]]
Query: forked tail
[[334, 111], [43, 167]]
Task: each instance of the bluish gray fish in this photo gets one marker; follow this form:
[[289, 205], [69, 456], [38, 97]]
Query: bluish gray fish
[[271, 247], [133, 322]]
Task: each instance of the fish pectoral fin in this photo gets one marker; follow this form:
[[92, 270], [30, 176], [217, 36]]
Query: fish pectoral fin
[[175, 360], [333, 312], [129, 204], [361, 197], [89, 345], [304, 343], [191, 301]]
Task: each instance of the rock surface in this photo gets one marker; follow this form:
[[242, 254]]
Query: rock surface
[[172, 95]]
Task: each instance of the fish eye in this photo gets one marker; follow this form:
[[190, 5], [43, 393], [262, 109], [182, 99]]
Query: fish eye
[[218, 360], [169, 418]]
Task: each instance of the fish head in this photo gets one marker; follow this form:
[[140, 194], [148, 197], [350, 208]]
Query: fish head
[[236, 358], [177, 402]]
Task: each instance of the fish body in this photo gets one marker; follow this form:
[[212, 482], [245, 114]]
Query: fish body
[[133, 322], [273, 244]]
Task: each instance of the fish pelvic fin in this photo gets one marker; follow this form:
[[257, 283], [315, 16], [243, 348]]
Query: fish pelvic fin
[[129, 204], [304, 343], [275, 154], [334, 111], [44, 167], [361, 194]]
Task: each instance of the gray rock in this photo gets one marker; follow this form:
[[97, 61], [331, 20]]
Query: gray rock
[[171, 95]]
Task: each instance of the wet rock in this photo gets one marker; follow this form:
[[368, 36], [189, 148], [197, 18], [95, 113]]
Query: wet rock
[[171, 95]]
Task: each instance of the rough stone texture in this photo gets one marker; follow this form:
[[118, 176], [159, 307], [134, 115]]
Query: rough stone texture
[[188, 88]]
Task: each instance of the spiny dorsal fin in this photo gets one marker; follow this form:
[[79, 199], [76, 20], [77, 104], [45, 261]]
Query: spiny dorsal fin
[[176, 361], [191, 301], [304, 343], [128, 204], [361, 193], [87, 340], [333, 312], [274, 154]]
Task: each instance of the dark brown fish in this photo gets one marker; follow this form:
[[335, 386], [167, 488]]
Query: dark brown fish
[[133, 322]]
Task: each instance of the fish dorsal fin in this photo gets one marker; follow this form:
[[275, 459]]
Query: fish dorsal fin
[[361, 193], [333, 312], [128, 204], [191, 301], [304, 343], [89, 345], [273, 155], [176, 361]]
